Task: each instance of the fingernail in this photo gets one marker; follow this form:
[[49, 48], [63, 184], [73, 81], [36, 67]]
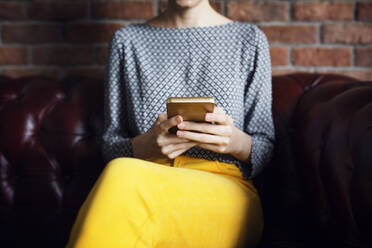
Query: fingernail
[[207, 117], [179, 133], [179, 118], [181, 125]]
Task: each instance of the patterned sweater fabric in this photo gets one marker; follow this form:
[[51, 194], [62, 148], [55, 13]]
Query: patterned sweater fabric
[[146, 64]]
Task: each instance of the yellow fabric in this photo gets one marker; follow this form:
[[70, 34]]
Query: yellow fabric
[[169, 203]]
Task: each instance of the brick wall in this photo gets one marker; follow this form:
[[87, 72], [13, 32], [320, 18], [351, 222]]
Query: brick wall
[[64, 37]]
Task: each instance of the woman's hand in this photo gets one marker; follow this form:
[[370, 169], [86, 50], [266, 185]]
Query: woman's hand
[[158, 142], [223, 137]]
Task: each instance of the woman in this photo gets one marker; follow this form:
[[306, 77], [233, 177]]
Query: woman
[[192, 189]]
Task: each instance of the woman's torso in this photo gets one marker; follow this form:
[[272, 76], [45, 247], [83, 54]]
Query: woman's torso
[[158, 63]]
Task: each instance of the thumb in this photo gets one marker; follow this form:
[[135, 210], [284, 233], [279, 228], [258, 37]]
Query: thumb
[[162, 116]]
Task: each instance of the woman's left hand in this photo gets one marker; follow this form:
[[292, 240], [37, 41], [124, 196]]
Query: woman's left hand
[[220, 137]]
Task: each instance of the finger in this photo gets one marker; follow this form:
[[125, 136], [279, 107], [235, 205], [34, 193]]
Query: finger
[[162, 116], [218, 110], [176, 147], [179, 152], [220, 118], [204, 138], [168, 138], [222, 130], [168, 123], [173, 147], [214, 148]]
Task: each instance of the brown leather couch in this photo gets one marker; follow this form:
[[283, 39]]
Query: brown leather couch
[[317, 192]]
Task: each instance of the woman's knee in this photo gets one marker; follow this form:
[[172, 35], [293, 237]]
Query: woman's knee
[[123, 166]]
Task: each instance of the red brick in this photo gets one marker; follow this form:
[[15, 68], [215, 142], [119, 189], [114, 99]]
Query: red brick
[[323, 11], [67, 55], [101, 54], [279, 55], [91, 32], [257, 11], [320, 56], [44, 10], [21, 72], [291, 33], [347, 33], [94, 72], [286, 71], [13, 55], [216, 5], [123, 9], [364, 11], [31, 33], [12, 11], [363, 75], [363, 56]]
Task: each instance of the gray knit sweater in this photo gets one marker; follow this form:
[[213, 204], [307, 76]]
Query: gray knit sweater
[[147, 64]]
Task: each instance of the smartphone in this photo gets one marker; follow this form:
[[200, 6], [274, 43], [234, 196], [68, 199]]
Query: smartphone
[[190, 108]]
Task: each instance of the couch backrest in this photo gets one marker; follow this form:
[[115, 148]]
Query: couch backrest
[[50, 155]]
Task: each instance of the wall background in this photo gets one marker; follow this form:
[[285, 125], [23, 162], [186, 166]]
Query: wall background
[[65, 37]]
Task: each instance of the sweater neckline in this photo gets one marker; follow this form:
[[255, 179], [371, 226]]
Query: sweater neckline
[[197, 28]]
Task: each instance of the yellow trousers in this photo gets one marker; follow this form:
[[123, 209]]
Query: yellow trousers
[[169, 203]]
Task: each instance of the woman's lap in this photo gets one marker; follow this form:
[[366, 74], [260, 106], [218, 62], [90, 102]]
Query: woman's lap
[[139, 203]]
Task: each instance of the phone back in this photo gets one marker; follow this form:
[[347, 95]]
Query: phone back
[[190, 108]]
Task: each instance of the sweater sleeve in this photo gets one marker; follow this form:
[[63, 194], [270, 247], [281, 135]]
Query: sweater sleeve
[[258, 121], [115, 138]]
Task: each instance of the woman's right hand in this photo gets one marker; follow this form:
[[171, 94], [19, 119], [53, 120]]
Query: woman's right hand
[[158, 142]]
